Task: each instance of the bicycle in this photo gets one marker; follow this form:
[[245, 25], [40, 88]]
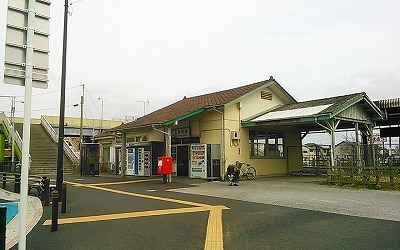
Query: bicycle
[[248, 171]]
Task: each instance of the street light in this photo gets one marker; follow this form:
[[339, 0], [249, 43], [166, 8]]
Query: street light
[[102, 110], [144, 106]]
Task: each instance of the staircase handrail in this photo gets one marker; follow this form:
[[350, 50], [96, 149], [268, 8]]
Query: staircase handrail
[[71, 153], [54, 135], [17, 138], [50, 130]]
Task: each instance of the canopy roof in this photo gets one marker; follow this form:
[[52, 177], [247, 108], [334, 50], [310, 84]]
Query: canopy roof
[[306, 116]]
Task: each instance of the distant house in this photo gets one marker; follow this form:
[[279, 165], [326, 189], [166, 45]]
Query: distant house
[[346, 150], [316, 155]]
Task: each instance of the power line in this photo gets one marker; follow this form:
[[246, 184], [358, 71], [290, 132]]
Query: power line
[[93, 102], [55, 91]]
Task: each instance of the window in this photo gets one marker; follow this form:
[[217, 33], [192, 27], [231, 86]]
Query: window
[[265, 144]]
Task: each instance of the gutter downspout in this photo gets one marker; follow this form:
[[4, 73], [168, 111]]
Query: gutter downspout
[[123, 153], [167, 145], [222, 140], [168, 139]]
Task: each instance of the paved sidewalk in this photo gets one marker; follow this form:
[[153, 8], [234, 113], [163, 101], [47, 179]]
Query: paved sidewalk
[[307, 193], [34, 213]]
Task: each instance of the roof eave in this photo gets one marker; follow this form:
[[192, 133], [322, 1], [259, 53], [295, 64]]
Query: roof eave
[[183, 117], [138, 127], [366, 99]]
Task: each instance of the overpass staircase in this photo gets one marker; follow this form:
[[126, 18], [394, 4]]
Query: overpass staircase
[[43, 147], [44, 151]]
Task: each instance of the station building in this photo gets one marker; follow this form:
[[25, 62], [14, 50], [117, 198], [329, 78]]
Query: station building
[[260, 124]]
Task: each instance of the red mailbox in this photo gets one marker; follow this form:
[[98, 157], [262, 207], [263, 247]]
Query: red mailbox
[[164, 165]]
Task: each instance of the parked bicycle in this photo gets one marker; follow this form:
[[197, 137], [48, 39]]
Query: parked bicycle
[[247, 171]]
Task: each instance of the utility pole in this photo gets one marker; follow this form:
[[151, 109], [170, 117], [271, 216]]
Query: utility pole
[[81, 127], [102, 111], [60, 158]]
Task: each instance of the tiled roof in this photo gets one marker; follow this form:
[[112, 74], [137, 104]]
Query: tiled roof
[[191, 104]]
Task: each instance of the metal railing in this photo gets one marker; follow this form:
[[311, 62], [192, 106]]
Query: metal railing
[[10, 167], [17, 138]]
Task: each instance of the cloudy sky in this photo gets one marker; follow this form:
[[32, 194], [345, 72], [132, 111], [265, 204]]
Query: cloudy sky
[[128, 52]]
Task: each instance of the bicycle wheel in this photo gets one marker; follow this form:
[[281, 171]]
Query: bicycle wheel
[[251, 173]]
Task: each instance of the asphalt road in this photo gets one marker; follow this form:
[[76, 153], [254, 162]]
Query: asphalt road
[[255, 224]]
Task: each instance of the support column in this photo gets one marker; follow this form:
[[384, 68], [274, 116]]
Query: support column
[[358, 152], [364, 142], [123, 154], [332, 125], [333, 143], [371, 142], [168, 149], [168, 140]]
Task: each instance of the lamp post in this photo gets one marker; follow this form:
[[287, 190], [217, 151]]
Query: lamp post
[[144, 106], [60, 158], [81, 126], [102, 111]]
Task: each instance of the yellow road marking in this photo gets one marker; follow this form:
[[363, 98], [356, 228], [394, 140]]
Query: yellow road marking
[[119, 216], [139, 195], [121, 182], [214, 236]]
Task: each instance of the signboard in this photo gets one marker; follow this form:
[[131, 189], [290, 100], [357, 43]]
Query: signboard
[[181, 133], [16, 43], [377, 138]]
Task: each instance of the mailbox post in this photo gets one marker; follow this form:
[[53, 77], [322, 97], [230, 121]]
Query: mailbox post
[[164, 167]]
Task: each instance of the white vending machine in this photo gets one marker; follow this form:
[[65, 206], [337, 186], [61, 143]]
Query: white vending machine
[[130, 161], [143, 162], [204, 161]]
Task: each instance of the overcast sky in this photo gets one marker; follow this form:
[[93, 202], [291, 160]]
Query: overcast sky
[[130, 51]]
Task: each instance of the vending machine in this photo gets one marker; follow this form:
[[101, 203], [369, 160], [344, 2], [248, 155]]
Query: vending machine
[[143, 162], [204, 161], [130, 161]]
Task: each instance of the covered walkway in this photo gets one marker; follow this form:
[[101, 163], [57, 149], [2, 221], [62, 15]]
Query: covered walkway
[[354, 111]]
